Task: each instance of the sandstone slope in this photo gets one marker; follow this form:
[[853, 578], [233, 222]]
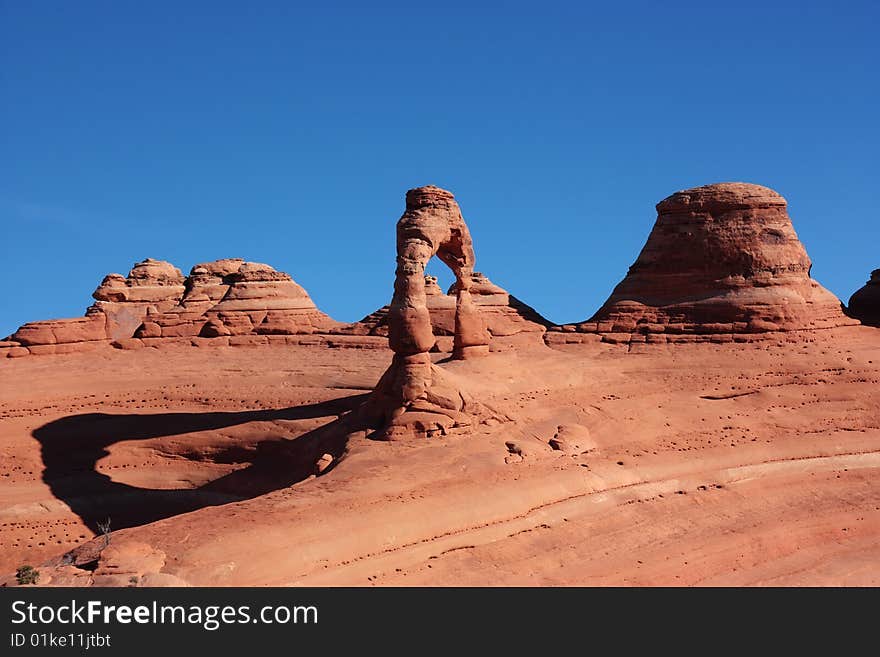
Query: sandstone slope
[[663, 464]]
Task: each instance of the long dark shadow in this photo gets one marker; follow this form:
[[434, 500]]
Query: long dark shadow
[[71, 447]]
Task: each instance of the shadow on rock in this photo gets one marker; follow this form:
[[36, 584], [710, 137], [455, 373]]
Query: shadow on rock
[[72, 446]]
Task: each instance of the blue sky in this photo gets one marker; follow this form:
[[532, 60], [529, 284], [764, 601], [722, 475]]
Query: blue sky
[[288, 133]]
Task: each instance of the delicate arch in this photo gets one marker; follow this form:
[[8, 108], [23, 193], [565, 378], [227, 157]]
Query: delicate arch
[[431, 225]]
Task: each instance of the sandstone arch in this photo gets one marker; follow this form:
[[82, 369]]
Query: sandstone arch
[[432, 224]]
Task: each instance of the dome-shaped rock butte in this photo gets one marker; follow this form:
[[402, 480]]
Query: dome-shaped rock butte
[[722, 259], [231, 297], [864, 304]]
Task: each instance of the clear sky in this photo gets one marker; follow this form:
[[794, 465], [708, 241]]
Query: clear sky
[[288, 133]]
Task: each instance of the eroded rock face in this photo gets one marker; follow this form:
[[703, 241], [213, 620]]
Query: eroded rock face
[[151, 286], [864, 305], [721, 259], [234, 297], [205, 286], [503, 314], [61, 331], [415, 397], [433, 225], [148, 281], [264, 301], [121, 303], [229, 297]]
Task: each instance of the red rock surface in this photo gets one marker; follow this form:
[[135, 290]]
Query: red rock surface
[[504, 314], [864, 304], [414, 398], [151, 286], [721, 259], [60, 331], [121, 303], [232, 297], [223, 298], [246, 461], [684, 464]]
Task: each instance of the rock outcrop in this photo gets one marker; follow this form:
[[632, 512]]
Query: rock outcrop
[[205, 286], [121, 304], [503, 314], [91, 328], [229, 297], [864, 304], [233, 297], [722, 263], [151, 286], [415, 397], [722, 259]]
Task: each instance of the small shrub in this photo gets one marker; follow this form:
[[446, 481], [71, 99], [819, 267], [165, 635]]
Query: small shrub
[[27, 575], [104, 528]]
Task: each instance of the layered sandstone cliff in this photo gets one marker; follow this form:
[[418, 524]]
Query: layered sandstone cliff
[[233, 297], [121, 304], [229, 297], [151, 286]]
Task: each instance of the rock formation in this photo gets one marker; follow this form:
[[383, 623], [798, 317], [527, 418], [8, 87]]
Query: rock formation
[[864, 304], [205, 286], [234, 297], [51, 332], [722, 263], [721, 259], [151, 286], [227, 297], [121, 303], [504, 314], [415, 397]]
